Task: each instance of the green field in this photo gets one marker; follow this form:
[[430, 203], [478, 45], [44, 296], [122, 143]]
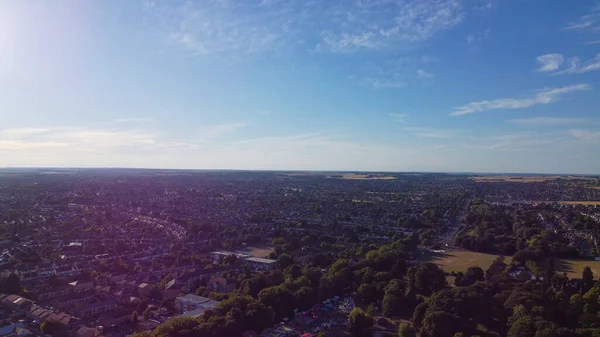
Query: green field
[[574, 268], [461, 260]]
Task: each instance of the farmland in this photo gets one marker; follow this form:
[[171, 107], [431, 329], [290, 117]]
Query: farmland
[[524, 179], [584, 203]]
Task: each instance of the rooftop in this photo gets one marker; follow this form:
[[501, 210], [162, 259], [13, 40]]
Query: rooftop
[[260, 260]]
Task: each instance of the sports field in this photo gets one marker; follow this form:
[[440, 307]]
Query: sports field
[[461, 260], [574, 267]]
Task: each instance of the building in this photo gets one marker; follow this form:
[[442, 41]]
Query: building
[[221, 285], [257, 263], [191, 302], [144, 290]]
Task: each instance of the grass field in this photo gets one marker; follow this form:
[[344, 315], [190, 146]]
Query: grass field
[[524, 179], [341, 175], [461, 260], [574, 268], [585, 203], [261, 251], [352, 176]]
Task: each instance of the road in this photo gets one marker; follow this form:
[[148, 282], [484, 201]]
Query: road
[[454, 226]]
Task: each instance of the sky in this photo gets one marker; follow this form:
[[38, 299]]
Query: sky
[[369, 85]]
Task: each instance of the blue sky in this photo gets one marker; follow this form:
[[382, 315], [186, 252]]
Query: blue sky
[[428, 85]]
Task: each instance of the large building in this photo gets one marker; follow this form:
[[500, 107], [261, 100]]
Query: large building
[[191, 302], [258, 263]]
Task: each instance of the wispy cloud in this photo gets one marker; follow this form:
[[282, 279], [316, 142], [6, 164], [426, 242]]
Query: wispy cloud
[[588, 25], [586, 135], [433, 133], [475, 39], [548, 121], [134, 120], [382, 83], [243, 27], [552, 63], [381, 24], [215, 131], [424, 74], [544, 96], [22, 132], [401, 118], [76, 138], [577, 67], [549, 62]]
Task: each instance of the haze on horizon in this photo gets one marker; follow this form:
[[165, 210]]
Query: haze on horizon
[[431, 85]]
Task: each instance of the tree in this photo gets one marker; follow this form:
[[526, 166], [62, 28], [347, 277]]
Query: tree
[[11, 284], [588, 278], [368, 292], [360, 323], [405, 330], [285, 260], [55, 329], [473, 274], [134, 317], [429, 278]]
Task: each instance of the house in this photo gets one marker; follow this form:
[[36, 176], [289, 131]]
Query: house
[[79, 285], [173, 288], [220, 284], [15, 302], [55, 292], [38, 313], [191, 302], [96, 308], [144, 290], [84, 331], [257, 263]]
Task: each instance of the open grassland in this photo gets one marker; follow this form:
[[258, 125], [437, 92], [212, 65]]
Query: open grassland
[[461, 260], [574, 267], [342, 175], [524, 179], [584, 203], [258, 251], [353, 176]]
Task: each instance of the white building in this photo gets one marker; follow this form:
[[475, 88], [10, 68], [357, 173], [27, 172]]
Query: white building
[[258, 263], [191, 302]]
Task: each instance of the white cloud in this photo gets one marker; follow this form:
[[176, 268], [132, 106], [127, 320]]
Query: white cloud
[[549, 62], [134, 120], [577, 67], [215, 131], [424, 74], [586, 135], [548, 121], [243, 27], [544, 96], [475, 39], [589, 21], [382, 83], [432, 132], [11, 133], [588, 26], [382, 24], [399, 117]]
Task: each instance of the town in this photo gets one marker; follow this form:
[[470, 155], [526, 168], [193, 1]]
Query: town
[[89, 253]]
